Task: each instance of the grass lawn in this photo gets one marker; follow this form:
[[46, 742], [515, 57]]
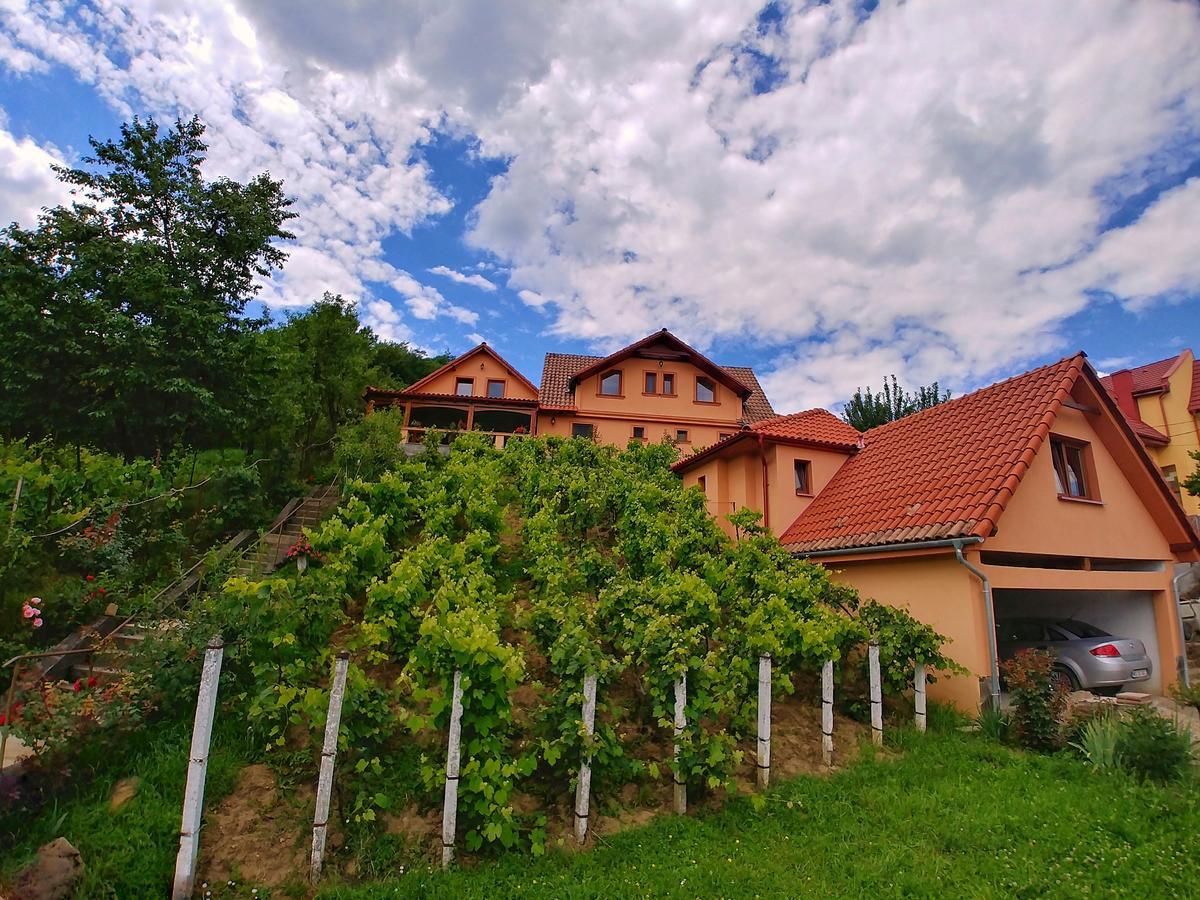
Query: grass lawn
[[954, 816], [950, 814]]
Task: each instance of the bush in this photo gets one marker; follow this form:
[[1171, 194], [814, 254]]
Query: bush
[[993, 724], [1152, 747], [1189, 695], [371, 445], [1038, 702]]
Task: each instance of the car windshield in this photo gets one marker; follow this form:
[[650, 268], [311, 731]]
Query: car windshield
[[1083, 629]]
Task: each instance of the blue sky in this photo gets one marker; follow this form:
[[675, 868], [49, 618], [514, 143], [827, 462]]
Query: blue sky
[[828, 192]]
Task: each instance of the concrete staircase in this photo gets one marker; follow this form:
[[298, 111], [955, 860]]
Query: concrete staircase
[[270, 552]]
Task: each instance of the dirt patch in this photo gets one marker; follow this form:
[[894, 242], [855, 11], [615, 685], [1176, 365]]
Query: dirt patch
[[258, 833], [421, 831], [796, 741]]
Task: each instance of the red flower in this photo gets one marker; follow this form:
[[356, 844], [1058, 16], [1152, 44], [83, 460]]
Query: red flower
[[78, 685], [103, 591], [92, 681], [91, 578]]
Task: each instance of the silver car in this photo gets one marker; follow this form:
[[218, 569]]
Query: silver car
[[1087, 657]]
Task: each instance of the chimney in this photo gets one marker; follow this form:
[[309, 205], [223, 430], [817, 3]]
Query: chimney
[[1122, 391]]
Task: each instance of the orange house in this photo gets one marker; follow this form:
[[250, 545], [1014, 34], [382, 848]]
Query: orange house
[[1032, 497], [656, 388]]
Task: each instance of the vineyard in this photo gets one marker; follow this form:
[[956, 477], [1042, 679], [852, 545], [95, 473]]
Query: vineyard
[[529, 571]]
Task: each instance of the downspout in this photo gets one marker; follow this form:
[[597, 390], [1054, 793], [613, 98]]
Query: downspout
[[1182, 664], [762, 455], [990, 613]]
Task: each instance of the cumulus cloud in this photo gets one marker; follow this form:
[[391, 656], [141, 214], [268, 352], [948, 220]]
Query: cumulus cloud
[[27, 183], [922, 189], [474, 280]]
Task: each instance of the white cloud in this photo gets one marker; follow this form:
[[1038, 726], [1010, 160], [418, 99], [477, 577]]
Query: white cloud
[[474, 280], [27, 183], [921, 191]]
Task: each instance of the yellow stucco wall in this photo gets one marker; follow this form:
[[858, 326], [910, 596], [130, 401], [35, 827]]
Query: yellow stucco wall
[[1169, 414]]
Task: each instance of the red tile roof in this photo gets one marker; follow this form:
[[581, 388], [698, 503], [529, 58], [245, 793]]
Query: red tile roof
[[813, 426], [1149, 379], [946, 472], [559, 368]]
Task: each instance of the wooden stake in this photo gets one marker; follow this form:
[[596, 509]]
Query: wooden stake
[[764, 722], [876, 693], [680, 724], [919, 695], [193, 795], [450, 803], [827, 714], [333, 720], [583, 789]]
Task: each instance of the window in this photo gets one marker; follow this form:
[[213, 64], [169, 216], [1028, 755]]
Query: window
[[582, 430], [495, 387], [651, 383], [724, 435], [703, 482], [1171, 476], [681, 436], [639, 432], [706, 390], [803, 474], [464, 387], [610, 384], [668, 381], [1073, 476]]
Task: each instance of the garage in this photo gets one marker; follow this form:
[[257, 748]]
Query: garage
[[1128, 614]]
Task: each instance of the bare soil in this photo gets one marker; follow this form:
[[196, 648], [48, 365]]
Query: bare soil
[[258, 833]]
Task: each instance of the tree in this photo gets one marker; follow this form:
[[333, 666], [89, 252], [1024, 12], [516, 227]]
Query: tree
[[1191, 484], [866, 410], [397, 365], [123, 314]]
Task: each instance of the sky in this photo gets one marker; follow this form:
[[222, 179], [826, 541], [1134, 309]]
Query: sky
[[828, 192]]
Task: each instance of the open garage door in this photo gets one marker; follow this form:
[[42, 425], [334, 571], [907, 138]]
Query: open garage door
[[1124, 614]]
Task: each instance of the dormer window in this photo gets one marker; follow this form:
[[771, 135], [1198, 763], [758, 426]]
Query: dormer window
[[1074, 475], [706, 390], [610, 384]]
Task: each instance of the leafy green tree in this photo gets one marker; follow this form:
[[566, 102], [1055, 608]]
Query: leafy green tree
[[397, 365], [1191, 484], [866, 410], [123, 313]]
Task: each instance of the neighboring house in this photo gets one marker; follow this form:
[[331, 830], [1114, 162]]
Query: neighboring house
[[656, 388], [1030, 497], [776, 466], [1161, 401]]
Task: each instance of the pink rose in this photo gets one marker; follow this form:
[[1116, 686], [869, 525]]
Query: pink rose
[[27, 611], [37, 623]]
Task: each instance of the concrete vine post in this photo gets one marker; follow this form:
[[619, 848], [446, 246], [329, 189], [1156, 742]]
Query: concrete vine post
[[827, 714], [680, 724], [919, 695], [876, 693], [583, 789], [764, 722], [333, 721], [450, 802], [193, 794]]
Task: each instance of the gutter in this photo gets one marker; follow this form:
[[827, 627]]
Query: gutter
[[762, 455], [1181, 662], [989, 608]]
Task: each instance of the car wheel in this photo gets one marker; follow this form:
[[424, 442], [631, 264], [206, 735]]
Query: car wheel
[[1065, 679]]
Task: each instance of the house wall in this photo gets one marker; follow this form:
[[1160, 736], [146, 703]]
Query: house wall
[[481, 367], [786, 504], [939, 591], [732, 481], [1169, 414], [615, 416]]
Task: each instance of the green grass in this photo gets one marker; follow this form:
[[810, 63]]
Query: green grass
[[952, 814], [130, 852], [955, 816]]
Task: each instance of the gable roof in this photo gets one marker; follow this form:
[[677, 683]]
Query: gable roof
[[560, 370], [417, 386], [950, 471], [811, 428], [1152, 378], [681, 351]]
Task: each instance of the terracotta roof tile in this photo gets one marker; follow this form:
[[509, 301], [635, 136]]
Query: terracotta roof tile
[[816, 426], [942, 473], [559, 368], [1148, 379], [1194, 402]]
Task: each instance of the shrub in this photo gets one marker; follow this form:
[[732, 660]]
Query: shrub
[[993, 723], [1189, 695], [1037, 700], [1152, 747], [1098, 742]]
